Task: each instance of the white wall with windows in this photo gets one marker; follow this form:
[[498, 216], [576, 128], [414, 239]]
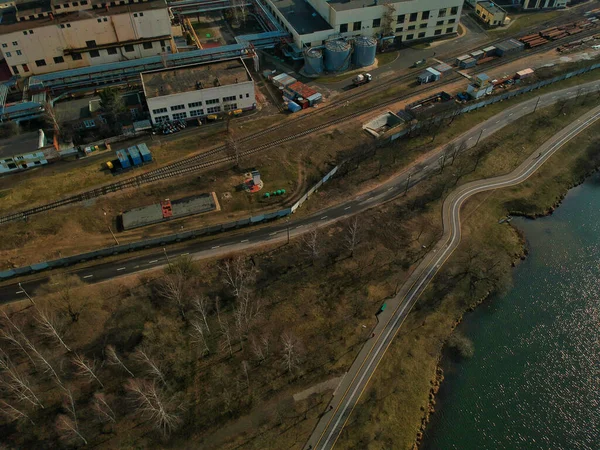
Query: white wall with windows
[[413, 19], [95, 37], [198, 103]]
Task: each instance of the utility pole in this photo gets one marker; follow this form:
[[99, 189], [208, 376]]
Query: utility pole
[[536, 104], [480, 134], [407, 183], [167, 256], [25, 292]]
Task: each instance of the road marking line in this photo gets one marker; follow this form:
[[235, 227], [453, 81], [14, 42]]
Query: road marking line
[[136, 267], [19, 292], [324, 217], [153, 261], [498, 122], [216, 246], [245, 240], [273, 233], [470, 138], [121, 268], [88, 276], [510, 114], [299, 226], [184, 254], [347, 208], [389, 189]]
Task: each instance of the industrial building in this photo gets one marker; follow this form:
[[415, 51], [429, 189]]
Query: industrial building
[[43, 36], [543, 4], [491, 14], [312, 22], [26, 150], [198, 90]]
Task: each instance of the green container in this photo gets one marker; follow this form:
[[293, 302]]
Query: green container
[[267, 195], [279, 192], [283, 191]]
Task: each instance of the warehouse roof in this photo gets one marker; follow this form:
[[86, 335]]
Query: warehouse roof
[[302, 16], [20, 144], [192, 77], [491, 7]]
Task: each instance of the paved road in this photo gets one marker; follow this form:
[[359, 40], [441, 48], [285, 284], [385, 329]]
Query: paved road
[[356, 379], [277, 233]]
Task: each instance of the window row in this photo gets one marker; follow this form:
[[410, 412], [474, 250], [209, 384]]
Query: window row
[[68, 5], [425, 15]]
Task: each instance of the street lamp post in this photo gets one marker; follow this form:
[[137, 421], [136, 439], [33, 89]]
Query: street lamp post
[[167, 256]]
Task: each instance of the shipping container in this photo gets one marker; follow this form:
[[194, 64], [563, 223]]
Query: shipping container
[[146, 155], [489, 51], [477, 54], [524, 73], [468, 63], [283, 80], [123, 159], [429, 75], [443, 68], [293, 106], [314, 99], [460, 59], [135, 156]]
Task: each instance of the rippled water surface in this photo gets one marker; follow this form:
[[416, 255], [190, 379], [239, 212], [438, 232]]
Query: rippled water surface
[[534, 382]]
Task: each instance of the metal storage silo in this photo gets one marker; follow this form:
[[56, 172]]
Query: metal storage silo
[[313, 61], [364, 51], [337, 55]]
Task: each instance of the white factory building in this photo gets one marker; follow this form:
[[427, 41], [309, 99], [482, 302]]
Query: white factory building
[[198, 90], [313, 21], [42, 36]]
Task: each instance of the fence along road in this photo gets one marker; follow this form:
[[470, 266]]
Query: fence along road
[[225, 245], [329, 428]]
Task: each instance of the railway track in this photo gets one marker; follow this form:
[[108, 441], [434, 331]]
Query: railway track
[[198, 162]]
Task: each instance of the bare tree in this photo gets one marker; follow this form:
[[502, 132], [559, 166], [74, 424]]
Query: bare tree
[[237, 274], [201, 305], [197, 332], [352, 238], [290, 353], [113, 359], [311, 242], [49, 327], [149, 401], [102, 409], [11, 333], [173, 288], [16, 383], [152, 367], [13, 414], [68, 427], [64, 287], [226, 336], [246, 371], [450, 150], [257, 350], [86, 368]]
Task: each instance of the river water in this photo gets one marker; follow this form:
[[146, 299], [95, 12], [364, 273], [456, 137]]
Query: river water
[[534, 381]]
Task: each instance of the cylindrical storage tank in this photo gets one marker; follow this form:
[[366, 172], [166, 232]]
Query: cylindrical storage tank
[[364, 51], [313, 61], [337, 55]]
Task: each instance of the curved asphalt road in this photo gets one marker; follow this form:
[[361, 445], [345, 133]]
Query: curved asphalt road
[[356, 379], [277, 232]]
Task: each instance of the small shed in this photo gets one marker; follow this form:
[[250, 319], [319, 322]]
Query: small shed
[[468, 63], [428, 75], [460, 59], [489, 51], [524, 73]]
